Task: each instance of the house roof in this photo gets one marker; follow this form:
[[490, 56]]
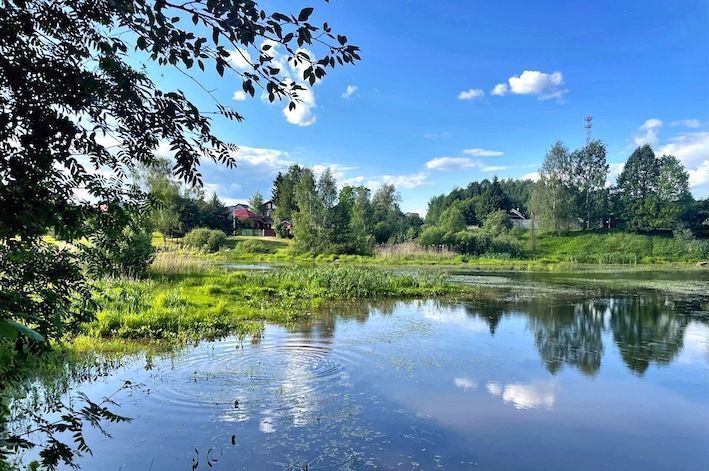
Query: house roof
[[244, 213], [517, 214]]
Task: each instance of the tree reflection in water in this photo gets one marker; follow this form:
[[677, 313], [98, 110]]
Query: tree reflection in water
[[646, 329]]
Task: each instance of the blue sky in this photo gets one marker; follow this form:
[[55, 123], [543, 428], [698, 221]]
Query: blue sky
[[451, 92]]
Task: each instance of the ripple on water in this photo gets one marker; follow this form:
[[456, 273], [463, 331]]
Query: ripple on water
[[276, 374]]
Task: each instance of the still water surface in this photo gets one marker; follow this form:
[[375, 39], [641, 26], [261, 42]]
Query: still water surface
[[612, 381]]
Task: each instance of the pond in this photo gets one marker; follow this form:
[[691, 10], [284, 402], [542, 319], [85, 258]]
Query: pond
[[598, 380]]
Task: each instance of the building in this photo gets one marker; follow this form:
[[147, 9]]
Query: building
[[519, 219], [251, 223]]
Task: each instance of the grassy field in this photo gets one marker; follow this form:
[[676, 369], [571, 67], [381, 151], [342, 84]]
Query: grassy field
[[553, 252]]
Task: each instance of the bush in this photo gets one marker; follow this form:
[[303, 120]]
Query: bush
[[210, 240], [196, 238], [215, 241], [253, 246], [126, 251]]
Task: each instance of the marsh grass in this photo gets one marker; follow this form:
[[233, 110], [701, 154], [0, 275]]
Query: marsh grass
[[209, 303]]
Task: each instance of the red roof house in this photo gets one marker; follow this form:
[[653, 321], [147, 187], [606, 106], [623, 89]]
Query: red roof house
[[253, 223]]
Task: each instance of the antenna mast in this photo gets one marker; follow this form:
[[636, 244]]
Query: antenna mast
[[588, 125]]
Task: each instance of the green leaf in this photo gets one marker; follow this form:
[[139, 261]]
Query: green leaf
[[9, 329]]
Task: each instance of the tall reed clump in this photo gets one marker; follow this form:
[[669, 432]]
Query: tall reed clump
[[412, 251], [169, 264], [359, 282]]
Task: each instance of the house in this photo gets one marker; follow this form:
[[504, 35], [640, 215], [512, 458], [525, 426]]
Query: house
[[251, 223], [519, 219], [268, 208]]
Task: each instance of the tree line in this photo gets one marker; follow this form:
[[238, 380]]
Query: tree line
[[327, 220], [650, 194], [572, 192]]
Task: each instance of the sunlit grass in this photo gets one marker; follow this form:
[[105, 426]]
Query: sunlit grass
[[191, 301]]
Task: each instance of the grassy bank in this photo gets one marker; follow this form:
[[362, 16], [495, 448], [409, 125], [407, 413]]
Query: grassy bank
[[195, 300], [558, 252]]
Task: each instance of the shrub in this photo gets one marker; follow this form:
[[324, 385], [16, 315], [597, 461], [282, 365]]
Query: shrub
[[120, 252], [253, 246], [215, 241], [197, 238], [210, 240]]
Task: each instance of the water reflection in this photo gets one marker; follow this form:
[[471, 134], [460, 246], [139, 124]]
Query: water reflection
[[525, 396], [646, 329], [433, 384]]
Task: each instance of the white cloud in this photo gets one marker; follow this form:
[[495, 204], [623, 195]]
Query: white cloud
[[699, 176], [400, 181], [525, 395], [239, 95], [240, 59], [349, 91], [691, 148], [465, 383], [259, 156], [494, 168], [530, 396], [687, 123], [483, 152], [493, 388], [302, 115], [451, 163], [500, 89], [533, 82], [471, 94], [614, 171], [534, 176], [652, 123], [649, 130]]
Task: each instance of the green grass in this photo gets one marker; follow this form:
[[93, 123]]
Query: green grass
[[208, 303], [619, 248], [571, 250]]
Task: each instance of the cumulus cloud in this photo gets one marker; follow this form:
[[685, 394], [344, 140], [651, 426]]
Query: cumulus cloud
[[649, 131], [451, 163], [500, 89], [534, 176], [349, 91], [465, 383], [412, 180], [691, 148], [493, 388], [302, 115], [471, 94], [260, 156], [533, 82], [240, 59], [700, 175], [483, 152]]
